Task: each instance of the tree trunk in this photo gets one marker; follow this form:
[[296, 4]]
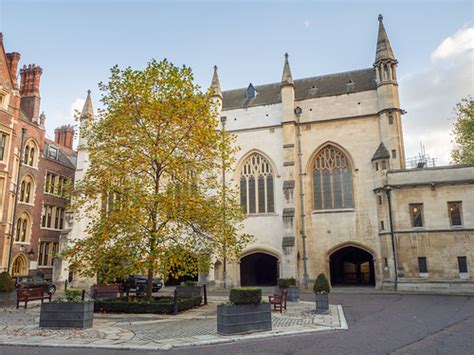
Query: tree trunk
[[149, 285]]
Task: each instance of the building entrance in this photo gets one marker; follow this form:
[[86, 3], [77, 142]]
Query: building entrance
[[352, 266], [258, 269]]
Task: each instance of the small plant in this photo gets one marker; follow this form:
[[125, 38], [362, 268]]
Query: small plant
[[6, 282], [70, 296], [286, 283], [245, 296], [321, 285]]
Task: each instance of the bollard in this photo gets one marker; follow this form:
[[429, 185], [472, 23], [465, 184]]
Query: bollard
[[65, 285], [175, 302], [83, 295], [205, 293]]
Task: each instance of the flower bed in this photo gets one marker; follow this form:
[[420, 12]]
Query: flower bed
[[159, 305]]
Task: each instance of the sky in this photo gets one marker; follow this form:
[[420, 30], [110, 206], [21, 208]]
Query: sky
[[76, 42]]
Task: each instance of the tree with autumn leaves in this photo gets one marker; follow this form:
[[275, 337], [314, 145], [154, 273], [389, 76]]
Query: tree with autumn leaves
[[463, 131], [152, 190]]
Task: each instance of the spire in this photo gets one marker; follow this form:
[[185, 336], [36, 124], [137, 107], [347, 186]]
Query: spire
[[87, 111], [384, 49], [287, 78], [215, 84]]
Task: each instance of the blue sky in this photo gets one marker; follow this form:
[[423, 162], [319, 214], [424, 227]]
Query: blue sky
[[76, 43]]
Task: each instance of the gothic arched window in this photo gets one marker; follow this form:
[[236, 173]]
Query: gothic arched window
[[332, 180], [26, 189], [256, 185], [22, 228]]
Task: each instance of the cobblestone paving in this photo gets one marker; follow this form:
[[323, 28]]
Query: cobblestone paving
[[195, 326]]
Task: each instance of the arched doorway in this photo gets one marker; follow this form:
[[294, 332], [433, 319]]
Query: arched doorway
[[352, 266], [258, 269], [19, 267]]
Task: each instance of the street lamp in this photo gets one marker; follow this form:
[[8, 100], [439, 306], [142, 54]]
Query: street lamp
[[298, 112]]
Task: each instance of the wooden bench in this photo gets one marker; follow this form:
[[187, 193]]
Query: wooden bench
[[32, 294], [107, 291], [278, 301]]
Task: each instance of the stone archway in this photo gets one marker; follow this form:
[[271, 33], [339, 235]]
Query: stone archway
[[351, 265], [259, 269], [19, 266]]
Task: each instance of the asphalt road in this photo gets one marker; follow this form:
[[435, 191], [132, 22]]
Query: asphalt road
[[378, 324]]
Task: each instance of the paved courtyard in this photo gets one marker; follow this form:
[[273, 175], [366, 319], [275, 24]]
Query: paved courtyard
[[378, 324], [159, 332]]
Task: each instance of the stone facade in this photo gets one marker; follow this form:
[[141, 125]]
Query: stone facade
[[319, 159]]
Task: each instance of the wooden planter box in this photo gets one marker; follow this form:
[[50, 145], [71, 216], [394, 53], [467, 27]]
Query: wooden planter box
[[293, 294], [322, 302], [188, 291], [67, 315], [245, 318], [7, 298]]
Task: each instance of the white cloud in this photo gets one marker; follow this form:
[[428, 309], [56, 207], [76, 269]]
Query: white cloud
[[459, 43], [77, 105], [307, 23], [429, 98]]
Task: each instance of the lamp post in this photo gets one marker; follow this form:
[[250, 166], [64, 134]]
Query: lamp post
[[388, 189], [15, 204], [223, 121], [298, 112]]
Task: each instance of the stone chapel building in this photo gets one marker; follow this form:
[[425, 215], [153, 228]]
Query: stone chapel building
[[323, 182]]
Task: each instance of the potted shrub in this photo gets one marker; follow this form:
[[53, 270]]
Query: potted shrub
[[293, 294], [7, 290], [244, 313], [188, 289], [321, 290], [69, 311]]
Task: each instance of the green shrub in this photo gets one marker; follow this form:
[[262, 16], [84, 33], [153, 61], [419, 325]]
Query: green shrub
[[7, 284], [158, 305], [189, 283], [321, 285], [286, 283], [245, 296]]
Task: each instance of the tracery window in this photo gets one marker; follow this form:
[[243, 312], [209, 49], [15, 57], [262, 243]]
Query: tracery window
[[30, 154], [256, 185], [22, 228], [332, 180], [26, 190]]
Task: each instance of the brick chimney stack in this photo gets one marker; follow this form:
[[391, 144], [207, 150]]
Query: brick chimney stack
[[13, 59], [64, 136], [29, 91]]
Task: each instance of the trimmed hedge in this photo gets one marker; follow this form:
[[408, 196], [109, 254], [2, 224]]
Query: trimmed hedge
[[7, 284], [321, 285], [286, 283], [245, 296], [159, 305]]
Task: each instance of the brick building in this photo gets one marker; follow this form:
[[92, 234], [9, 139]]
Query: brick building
[[31, 190]]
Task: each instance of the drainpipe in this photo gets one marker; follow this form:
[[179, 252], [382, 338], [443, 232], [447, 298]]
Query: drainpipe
[[223, 121], [17, 188], [392, 235], [298, 112]]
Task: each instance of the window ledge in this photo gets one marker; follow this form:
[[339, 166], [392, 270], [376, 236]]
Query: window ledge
[[27, 203], [418, 228], [51, 229], [424, 274], [339, 210], [21, 243], [457, 227], [261, 215]]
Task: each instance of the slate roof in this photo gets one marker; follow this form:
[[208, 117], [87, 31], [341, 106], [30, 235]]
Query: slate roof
[[381, 153], [65, 156], [308, 88]]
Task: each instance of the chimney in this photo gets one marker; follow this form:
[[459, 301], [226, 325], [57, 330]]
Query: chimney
[[29, 91], [64, 136], [13, 59]]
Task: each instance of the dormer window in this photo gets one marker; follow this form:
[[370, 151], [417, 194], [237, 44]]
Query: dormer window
[[251, 92], [52, 152], [350, 85]]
